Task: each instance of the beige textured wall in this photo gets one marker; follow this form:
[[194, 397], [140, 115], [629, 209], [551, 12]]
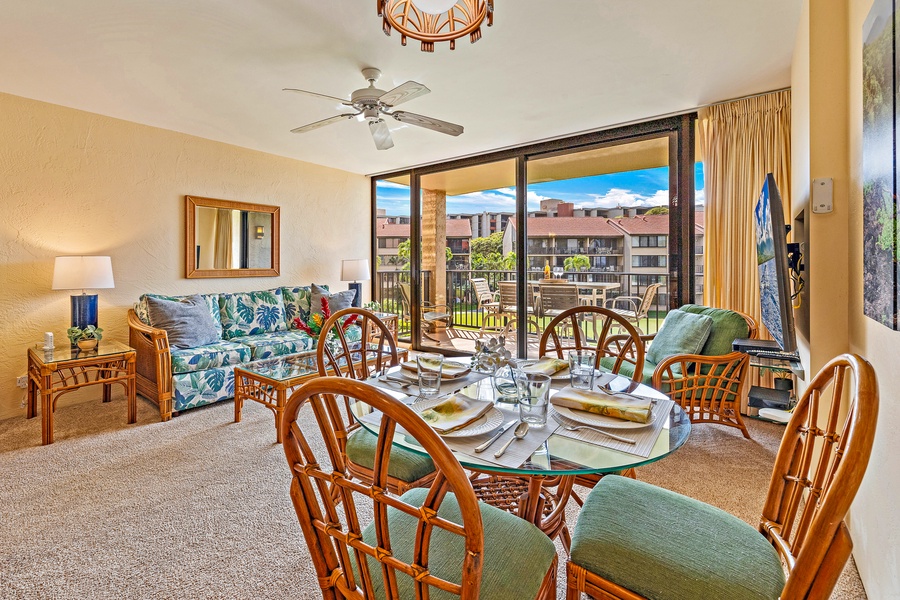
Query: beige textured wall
[[875, 518], [73, 182], [827, 140]]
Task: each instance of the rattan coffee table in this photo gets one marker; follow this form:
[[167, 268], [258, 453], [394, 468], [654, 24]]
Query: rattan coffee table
[[268, 382]]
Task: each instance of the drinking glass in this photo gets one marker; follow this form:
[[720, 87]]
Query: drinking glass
[[534, 393], [429, 367], [581, 368], [504, 381]]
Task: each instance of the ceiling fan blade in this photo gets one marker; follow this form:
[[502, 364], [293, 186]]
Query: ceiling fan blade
[[323, 122], [427, 122], [341, 100], [403, 93], [381, 134]]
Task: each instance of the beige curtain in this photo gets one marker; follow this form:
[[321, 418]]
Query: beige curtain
[[223, 258], [741, 142]]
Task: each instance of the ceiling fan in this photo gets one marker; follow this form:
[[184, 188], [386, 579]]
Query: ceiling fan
[[370, 103]]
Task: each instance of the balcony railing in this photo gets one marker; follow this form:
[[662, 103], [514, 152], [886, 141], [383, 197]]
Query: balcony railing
[[461, 295]]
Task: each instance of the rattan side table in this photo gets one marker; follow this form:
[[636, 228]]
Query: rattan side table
[[52, 373]]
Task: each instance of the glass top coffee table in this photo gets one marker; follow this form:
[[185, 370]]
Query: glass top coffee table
[[270, 380]]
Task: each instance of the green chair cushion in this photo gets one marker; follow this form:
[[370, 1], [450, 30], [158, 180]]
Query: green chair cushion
[[727, 327], [666, 546], [681, 333], [517, 555], [627, 369], [405, 465]]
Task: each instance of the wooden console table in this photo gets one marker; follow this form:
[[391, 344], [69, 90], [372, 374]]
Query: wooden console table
[[52, 373]]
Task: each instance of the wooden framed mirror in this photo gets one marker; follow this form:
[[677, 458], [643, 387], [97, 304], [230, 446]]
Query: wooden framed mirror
[[231, 239]]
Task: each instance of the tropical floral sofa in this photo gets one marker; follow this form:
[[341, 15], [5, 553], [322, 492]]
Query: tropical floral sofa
[[254, 326]]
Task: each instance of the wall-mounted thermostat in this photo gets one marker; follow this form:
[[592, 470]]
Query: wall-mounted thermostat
[[822, 195]]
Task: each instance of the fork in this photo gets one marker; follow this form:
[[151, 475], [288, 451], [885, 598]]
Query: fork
[[595, 429]]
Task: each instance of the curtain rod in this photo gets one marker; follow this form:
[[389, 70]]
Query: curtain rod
[[586, 131]]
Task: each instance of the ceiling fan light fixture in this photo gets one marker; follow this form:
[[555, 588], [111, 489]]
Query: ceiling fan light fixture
[[433, 21]]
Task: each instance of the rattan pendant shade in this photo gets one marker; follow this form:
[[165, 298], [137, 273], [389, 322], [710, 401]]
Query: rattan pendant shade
[[465, 17]]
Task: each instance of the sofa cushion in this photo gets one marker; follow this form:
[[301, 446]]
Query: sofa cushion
[[681, 333], [337, 301], [267, 345], [219, 354], [187, 322], [296, 303], [627, 369], [517, 555], [670, 547], [252, 313], [212, 303], [727, 327]]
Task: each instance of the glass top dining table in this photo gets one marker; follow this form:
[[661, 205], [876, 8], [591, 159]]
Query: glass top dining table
[[559, 454]]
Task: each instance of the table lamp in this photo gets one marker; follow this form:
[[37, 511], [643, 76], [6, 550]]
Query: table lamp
[[355, 270], [83, 273]]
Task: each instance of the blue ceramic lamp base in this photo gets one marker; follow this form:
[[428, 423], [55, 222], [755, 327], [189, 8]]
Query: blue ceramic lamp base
[[84, 310], [357, 300]]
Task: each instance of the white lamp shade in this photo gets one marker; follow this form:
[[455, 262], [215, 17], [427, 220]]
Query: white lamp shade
[[356, 269], [434, 7], [82, 272]]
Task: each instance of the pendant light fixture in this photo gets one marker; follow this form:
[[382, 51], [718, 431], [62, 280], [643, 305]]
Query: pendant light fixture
[[430, 21]]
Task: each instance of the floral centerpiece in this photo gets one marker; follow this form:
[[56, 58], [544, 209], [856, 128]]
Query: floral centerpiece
[[315, 321], [490, 355]]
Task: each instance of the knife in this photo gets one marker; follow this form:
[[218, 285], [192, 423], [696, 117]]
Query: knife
[[501, 431]]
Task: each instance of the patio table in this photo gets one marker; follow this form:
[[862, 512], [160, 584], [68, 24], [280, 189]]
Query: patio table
[[538, 488]]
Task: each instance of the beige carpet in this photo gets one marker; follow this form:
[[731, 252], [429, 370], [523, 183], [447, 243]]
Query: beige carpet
[[198, 507]]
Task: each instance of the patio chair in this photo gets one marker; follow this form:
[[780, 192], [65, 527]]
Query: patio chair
[[635, 308], [488, 304], [345, 358], [437, 542], [432, 315], [556, 298], [509, 309], [633, 540]]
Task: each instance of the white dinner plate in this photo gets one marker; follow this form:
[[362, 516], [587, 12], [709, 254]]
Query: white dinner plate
[[451, 370], [486, 423], [588, 418]]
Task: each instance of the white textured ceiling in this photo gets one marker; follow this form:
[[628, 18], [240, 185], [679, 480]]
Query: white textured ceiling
[[215, 68]]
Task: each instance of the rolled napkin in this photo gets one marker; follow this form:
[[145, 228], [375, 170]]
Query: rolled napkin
[[450, 369], [454, 413], [547, 366], [596, 402]]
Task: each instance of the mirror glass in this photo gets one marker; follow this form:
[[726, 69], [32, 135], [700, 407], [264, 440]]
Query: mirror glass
[[231, 239]]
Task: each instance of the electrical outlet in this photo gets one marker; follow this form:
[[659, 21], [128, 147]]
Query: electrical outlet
[[22, 381]]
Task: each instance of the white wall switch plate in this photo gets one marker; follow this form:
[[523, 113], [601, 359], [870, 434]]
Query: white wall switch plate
[[822, 195], [22, 381]]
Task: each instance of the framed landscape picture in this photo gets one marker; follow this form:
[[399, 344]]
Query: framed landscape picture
[[880, 264]]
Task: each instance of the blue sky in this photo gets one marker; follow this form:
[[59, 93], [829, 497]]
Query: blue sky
[[644, 187]]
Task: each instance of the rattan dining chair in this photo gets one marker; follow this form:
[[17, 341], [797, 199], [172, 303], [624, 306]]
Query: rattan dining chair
[[567, 331], [634, 540], [358, 360], [434, 542]]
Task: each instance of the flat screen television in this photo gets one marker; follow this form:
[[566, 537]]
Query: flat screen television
[[774, 274]]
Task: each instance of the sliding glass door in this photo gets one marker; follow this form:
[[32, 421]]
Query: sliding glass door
[[461, 246]]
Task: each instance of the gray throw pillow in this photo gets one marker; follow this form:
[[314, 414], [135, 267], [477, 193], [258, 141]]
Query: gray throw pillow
[[336, 301], [681, 333], [187, 322]]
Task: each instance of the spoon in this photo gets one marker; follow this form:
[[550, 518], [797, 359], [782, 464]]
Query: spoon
[[520, 432]]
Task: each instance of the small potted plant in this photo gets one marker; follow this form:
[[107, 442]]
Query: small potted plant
[[85, 339], [374, 306]]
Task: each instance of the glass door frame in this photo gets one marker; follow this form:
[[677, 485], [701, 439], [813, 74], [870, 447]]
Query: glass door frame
[[679, 129]]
